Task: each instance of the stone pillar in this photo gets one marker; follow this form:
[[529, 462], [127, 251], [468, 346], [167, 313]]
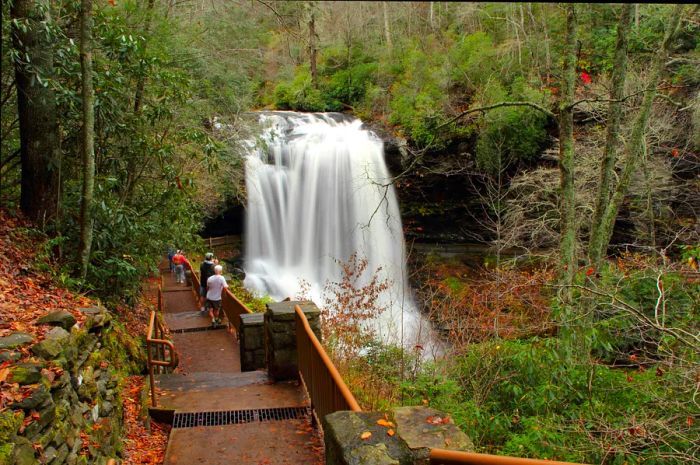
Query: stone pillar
[[281, 339], [415, 431], [252, 341]]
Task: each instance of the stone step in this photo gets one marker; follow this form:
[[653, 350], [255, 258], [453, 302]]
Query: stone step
[[202, 380]]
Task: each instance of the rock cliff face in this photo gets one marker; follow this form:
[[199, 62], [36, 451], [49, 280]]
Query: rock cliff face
[[439, 198], [69, 410]]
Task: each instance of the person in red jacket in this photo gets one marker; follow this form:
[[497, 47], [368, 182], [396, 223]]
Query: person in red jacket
[[179, 261]]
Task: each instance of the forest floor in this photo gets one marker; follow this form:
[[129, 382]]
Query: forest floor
[[30, 287]]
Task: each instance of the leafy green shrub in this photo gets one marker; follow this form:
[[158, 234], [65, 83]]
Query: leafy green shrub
[[300, 95], [349, 86], [473, 59], [511, 135], [419, 95]]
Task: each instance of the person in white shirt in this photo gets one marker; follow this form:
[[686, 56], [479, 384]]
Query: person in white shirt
[[215, 286]]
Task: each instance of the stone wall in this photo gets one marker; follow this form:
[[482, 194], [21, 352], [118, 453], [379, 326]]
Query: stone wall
[[280, 336], [71, 410], [252, 338]]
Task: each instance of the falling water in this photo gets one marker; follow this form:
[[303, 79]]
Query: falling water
[[319, 191]]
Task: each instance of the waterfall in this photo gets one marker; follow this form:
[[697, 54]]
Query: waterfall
[[318, 191]]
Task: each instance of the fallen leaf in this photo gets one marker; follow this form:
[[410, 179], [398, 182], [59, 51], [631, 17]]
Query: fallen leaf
[[390, 432], [366, 435], [385, 423]]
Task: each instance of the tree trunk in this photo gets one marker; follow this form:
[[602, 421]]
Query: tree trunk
[[387, 31], [568, 228], [432, 26], [634, 149], [141, 83], [312, 44], [607, 167], [40, 141], [131, 168], [88, 136]]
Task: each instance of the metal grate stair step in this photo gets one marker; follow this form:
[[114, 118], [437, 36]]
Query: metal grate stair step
[[234, 417]]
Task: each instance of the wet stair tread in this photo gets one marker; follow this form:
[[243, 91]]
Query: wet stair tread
[[203, 380], [232, 398], [187, 320]]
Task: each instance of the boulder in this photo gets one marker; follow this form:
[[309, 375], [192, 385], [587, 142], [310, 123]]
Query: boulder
[[60, 318]]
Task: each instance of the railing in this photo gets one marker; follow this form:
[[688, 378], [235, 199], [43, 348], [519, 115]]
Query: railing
[[324, 384], [160, 351], [233, 308], [453, 457], [195, 281], [221, 241]]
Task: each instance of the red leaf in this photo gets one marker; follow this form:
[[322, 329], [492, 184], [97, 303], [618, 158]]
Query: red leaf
[[585, 77]]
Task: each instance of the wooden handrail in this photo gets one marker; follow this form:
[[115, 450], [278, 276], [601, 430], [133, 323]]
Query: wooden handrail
[[233, 308], [154, 340], [454, 457], [221, 240], [326, 388]]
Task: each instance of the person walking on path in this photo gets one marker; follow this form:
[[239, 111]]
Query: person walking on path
[[215, 286], [206, 271], [179, 260], [171, 254]]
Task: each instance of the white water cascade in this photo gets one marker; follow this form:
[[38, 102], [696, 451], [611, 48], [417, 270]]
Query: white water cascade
[[318, 191]]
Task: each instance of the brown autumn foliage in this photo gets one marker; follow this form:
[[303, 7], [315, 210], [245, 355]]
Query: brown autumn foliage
[[142, 445], [26, 292], [505, 303], [350, 303]]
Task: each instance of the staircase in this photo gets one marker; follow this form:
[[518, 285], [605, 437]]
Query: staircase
[[220, 415]]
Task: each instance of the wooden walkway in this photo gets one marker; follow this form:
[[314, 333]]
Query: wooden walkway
[[224, 416]]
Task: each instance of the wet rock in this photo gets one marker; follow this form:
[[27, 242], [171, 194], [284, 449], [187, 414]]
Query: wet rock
[[23, 452], [92, 310], [9, 356], [38, 397], [49, 454], [106, 409], [25, 373], [61, 455], [51, 347], [60, 318], [17, 339]]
